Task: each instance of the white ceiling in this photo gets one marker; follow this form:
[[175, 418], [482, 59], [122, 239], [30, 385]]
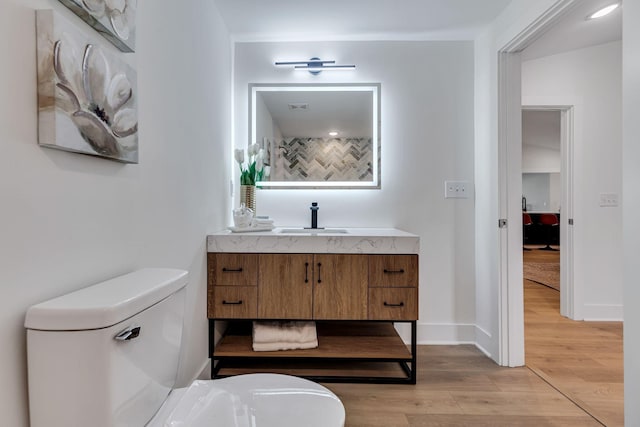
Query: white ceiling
[[303, 20], [326, 20], [573, 31]]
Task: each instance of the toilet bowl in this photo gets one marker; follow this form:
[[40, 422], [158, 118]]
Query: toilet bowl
[[107, 355], [251, 400]]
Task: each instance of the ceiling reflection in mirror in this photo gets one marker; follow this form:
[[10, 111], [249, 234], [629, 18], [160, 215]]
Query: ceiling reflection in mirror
[[317, 135]]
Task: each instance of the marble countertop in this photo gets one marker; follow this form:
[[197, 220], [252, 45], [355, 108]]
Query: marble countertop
[[355, 241]]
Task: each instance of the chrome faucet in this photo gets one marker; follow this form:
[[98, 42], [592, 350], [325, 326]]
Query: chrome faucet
[[314, 215]]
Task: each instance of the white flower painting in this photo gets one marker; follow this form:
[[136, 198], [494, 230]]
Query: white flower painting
[[114, 19], [86, 94]]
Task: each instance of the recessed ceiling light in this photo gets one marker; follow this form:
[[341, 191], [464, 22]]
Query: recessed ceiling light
[[333, 133], [604, 11]]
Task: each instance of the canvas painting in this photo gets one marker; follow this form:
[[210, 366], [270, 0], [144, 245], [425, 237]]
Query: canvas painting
[[114, 19], [87, 94]]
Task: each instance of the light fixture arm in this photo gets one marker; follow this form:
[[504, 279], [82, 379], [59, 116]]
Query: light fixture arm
[[315, 65]]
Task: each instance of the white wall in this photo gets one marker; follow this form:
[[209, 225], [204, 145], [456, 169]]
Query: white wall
[[590, 78], [541, 135], [69, 220], [427, 137], [631, 207]]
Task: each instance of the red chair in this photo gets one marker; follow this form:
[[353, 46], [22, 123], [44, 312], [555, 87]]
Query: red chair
[[549, 220], [526, 223]]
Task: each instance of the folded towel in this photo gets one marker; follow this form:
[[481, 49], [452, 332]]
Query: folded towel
[[262, 222], [284, 331], [275, 346]]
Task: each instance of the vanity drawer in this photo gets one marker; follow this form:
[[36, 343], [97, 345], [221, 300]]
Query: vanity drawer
[[393, 271], [393, 304], [227, 269], [235, 302]]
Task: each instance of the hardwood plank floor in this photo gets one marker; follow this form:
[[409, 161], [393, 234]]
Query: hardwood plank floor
[[583, 360], [460, 386], [573, 378]]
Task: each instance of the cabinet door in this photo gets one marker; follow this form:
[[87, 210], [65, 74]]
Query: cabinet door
[[285, 286], [340, 287]]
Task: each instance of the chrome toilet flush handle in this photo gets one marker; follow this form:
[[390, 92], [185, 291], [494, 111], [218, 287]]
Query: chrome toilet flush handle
[[128, 334]]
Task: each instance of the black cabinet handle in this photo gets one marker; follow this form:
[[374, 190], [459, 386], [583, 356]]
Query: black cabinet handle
[[225, 302], [319, 277], [306, 272], [393, 271], [386, 304], [232, 270]]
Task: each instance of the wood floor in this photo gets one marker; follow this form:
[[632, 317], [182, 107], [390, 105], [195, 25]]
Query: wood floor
[[574, 378], [584, 360]]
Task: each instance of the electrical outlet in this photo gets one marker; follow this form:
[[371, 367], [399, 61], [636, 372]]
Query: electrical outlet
[[609, 200], [457, 189]]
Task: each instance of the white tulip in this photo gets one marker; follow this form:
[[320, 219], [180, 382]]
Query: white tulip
[[253, 149], [239, 155], [259, 162]]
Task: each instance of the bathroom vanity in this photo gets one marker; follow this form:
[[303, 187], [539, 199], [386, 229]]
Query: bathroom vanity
[[355, 283]]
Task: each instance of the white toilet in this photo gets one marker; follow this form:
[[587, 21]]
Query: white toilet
[[107, 356]]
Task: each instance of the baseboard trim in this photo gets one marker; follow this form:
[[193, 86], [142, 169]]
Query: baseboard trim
[[603, 312], [484, 341], [205, 371], [446, 333]]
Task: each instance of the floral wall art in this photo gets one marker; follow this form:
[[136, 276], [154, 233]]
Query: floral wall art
[[114, 19], [87, 93]]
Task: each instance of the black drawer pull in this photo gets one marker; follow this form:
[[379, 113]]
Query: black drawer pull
[[386, 304], [319, 277], [306, 272], [394, 271], [232, 270], [225, 302]]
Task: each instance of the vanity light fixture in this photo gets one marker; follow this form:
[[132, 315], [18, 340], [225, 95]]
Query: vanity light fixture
[[604, 11], [333, 133], [316, 65]]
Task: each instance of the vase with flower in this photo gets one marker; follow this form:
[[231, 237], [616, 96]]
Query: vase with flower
[[251, 172]]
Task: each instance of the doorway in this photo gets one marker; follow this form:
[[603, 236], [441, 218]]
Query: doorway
[[547, 178], [598, 171]]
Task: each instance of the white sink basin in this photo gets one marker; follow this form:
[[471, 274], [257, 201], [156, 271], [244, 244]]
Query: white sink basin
[[314, 230]]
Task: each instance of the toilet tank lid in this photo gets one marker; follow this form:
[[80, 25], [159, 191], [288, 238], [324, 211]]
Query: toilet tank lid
[[106, 303]]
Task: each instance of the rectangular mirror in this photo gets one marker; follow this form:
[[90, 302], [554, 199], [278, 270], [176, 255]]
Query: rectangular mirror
[[317, 135]]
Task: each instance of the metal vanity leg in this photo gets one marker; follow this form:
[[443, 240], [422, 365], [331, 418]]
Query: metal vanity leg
[[414, 347], [212, 349]]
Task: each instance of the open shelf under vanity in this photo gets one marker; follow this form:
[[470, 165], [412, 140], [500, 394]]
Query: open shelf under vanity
[[348, 351]]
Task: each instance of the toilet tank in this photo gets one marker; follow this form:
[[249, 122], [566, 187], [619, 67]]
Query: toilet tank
[[106, 355]]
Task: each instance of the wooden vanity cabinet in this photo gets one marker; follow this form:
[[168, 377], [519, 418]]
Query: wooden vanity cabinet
[[355, 298], [292, 286]]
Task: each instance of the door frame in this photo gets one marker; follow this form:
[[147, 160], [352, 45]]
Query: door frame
[[567, 132], [510, 289]]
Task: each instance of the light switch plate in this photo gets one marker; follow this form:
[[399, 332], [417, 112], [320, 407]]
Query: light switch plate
[[609, 200], [457, 189]]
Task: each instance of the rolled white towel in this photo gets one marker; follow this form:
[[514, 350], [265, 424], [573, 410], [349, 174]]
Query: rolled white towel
[[284, 332]]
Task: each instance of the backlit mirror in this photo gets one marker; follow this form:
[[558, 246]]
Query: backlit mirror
[[317, 135]]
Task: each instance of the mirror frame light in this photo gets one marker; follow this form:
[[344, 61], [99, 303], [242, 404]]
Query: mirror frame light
[[374, 88]]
